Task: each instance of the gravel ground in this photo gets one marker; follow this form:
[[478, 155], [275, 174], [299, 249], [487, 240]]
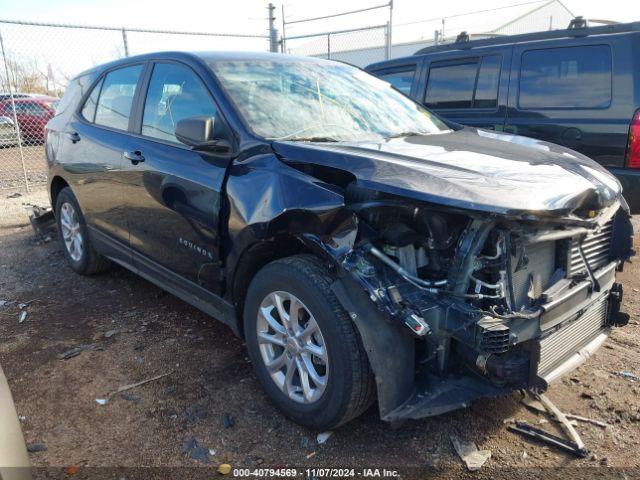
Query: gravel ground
[[136, 331], [11, 171]]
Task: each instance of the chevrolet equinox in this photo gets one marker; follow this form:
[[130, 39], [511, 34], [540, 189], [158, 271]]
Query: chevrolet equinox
[[364, 248]]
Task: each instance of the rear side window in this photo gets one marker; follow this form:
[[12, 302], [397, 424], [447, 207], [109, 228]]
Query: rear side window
[[401, 79], [90, 104], [116, 97], [451, 86], [175, 93], [472, 83], [567, 77]]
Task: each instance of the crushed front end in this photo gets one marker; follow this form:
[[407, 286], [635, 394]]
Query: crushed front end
[[470, 304]]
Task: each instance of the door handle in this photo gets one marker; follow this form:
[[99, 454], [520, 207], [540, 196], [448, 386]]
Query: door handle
[[73, 136], [134, 157]]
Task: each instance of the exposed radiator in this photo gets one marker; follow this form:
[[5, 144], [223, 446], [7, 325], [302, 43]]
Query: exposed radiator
[[596, 248], [562, 343]]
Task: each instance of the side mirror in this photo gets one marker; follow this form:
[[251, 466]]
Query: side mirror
[[197, 133]]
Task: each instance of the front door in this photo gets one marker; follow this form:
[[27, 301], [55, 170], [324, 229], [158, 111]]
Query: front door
[[173, 193]]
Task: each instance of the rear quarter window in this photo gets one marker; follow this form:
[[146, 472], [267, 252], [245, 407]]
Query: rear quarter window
[[565, 77]]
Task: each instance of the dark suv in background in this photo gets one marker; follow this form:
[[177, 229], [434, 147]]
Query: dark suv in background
[[578, 87]]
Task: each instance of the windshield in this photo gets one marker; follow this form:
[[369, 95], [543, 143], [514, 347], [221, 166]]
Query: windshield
[[294, 99]]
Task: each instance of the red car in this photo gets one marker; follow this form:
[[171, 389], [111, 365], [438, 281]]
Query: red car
[[32, 113]]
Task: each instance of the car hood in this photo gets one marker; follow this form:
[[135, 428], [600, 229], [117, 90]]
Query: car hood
[[471, 169]]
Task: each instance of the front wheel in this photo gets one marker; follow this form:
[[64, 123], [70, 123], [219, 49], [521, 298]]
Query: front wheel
[[305, 350]]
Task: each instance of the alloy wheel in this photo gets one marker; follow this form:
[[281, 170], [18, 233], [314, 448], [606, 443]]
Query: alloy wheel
[[292, 347], [71, 234]]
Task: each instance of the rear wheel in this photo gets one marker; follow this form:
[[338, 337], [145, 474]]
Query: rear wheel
[[74, 236], [305, 350]]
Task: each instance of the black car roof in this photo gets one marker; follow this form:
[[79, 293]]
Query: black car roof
[[206, 56], [522, 38]]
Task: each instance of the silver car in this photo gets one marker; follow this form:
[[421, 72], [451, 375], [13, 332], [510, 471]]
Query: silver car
[[8, 132]]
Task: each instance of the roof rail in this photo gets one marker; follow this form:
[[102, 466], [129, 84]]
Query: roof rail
[[575, 30], [578, 22], [462, 37]]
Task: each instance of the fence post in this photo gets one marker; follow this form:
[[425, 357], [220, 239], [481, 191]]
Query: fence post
[[13, 108], [124, 42], [387, 41], [328, 46], [389, 32]]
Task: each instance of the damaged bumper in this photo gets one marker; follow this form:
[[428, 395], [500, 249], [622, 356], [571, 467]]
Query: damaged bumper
[[460, 350]]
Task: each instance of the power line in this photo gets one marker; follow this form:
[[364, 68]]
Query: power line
[[469, 13], [339, 14]]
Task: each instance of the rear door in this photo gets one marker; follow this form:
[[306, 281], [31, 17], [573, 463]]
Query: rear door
[[563, 91], [173, 193], [94, 141], [469, 87]]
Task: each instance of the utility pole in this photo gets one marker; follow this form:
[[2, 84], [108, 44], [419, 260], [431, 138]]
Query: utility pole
[[273, 31], [389, 27], [283, 40]]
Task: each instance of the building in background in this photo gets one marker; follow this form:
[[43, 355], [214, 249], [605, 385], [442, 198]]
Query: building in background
[[364, 46]]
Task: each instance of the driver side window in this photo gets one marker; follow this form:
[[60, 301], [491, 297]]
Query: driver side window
[[175, 93]]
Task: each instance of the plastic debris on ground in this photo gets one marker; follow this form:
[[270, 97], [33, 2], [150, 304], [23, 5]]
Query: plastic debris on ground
[[191, 447], [130, 397], [323, 437], [469, 453], [628, 375], [75, 351], [110, 333], [224, 469], [537, 406], [42, 221], [101, 401], [36, 447], [228, 421], [22, 317], [574, 445]]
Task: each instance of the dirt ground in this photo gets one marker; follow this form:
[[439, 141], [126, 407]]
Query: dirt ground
[[12, 174], [135, 331]]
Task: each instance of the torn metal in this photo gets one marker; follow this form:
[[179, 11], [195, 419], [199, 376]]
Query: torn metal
[[468, 272]]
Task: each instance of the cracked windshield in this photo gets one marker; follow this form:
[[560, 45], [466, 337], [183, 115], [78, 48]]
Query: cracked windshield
[[310, 101]]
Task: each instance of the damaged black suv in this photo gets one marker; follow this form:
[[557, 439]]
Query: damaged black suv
[[363, 247]]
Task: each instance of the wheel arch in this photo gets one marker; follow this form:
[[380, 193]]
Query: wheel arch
[[56, 186], [253, 259]]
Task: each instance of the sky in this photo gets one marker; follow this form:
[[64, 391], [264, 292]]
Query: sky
[[65, 52], [250, 16]]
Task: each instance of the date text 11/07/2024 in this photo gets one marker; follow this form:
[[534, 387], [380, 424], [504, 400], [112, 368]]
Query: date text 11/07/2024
[[313, 473]]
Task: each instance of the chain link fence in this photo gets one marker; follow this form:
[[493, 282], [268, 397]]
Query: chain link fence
[[359, 47], [39, 59]]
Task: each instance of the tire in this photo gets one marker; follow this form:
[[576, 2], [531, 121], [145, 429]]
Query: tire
[[349, 385], [81, 256]]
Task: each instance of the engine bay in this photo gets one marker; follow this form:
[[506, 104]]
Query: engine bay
[[474, 290]]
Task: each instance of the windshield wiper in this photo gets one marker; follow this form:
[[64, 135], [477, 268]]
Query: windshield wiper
[[312, 139], [406, 134]]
